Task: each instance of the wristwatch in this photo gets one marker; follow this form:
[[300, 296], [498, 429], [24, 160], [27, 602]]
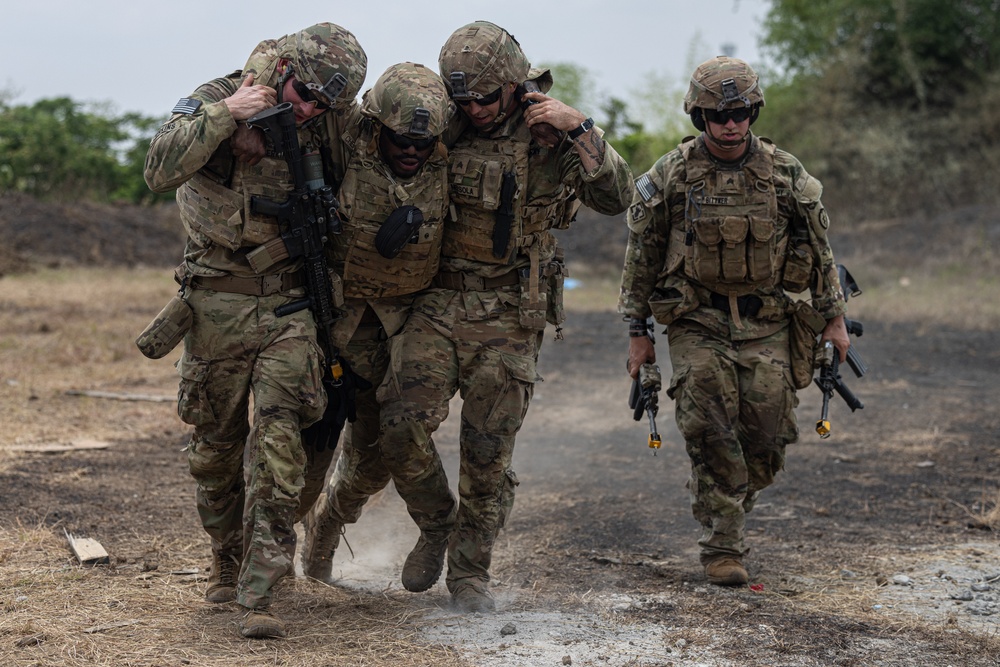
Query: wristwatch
[[584, 127]]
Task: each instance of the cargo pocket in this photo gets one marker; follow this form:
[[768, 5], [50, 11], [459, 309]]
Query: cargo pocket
[[510, 404], [193, 406]]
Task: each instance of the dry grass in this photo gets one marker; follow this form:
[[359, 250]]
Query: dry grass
[[73, 329], [57, 613]]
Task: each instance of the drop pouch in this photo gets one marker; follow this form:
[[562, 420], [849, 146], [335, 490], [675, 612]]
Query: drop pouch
[[166, 330], [805, 326]]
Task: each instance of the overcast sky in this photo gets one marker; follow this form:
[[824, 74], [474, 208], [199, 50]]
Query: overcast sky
[[142, 56]]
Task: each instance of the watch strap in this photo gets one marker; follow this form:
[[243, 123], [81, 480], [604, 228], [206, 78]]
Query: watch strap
[[581, 129]]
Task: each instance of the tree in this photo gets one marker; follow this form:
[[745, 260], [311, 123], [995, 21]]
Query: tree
[[917, 53], [60, 149]]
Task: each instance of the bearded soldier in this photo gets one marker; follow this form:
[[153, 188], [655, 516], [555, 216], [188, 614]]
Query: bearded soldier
[[722, 229], [237, 344], [478, 328], [394, 200]]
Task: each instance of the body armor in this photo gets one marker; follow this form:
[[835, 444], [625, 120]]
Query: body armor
[[730, 242], [369, 193], [478, 166]]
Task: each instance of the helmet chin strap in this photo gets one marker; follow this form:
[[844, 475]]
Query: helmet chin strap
[[725, 145]]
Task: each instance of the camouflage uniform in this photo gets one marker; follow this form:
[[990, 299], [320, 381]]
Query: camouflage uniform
[[236, 344], [714, 249], [479, 328], [378, 294]]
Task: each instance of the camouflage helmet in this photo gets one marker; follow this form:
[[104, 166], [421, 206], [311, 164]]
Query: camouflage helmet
[[329, 60], [409, 99], [480, 57], [722, 83]]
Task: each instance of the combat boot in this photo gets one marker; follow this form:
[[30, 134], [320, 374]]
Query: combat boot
[[424, 563], [261, 624], [222, 581], [726, 571], [322, 539], [471, 598]]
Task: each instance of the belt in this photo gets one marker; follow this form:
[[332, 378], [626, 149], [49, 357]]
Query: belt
[[470, 282], [747, 306], [258, 286]]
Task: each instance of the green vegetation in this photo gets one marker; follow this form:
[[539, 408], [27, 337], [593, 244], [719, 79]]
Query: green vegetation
[[63, 150], [893, 104]]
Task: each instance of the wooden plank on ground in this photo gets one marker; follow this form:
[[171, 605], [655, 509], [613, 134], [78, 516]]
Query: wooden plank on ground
[[53, 447], [87, 550], [120, 397]]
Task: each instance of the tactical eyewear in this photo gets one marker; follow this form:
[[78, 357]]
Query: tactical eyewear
[[306, 95], [483, 101], [404, 142], [722, 117]]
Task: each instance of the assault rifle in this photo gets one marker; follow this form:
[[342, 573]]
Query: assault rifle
[[644, 396], [307, 219], [829, 379]]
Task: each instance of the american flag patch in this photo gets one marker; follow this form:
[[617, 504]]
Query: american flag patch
[[644, 184], [186, 105]]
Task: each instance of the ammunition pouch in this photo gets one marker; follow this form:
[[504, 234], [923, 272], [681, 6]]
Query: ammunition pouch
[[541, 299], [798, 268]]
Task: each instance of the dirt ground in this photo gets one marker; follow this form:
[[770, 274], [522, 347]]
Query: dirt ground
[[877, 546]]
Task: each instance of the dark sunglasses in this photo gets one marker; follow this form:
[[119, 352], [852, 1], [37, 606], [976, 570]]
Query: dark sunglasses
[[483, 101], [306, 95], [722, 117], [404, 142]]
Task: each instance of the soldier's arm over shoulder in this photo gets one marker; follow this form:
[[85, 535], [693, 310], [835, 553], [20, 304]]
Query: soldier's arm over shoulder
[[197, 126], [609, 189]]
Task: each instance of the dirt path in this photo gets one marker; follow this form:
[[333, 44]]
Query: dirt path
[[870, 549]]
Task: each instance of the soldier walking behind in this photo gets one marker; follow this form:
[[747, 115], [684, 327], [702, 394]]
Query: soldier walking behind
[[723, 229]]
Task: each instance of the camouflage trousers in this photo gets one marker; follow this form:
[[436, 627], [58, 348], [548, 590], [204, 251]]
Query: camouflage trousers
[[735, 407], [367, 462], [237, 345], [449, 345]]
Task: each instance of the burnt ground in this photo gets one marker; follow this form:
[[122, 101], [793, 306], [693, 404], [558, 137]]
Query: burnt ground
[[862, 552]]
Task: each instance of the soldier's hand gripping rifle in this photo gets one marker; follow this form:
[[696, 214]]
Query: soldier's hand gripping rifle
[[307, 219], [830, 380], [644, 396]]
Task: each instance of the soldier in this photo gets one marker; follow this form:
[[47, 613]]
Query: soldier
[[394, 201], [723, 228], [236, 344], [478, 328]]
